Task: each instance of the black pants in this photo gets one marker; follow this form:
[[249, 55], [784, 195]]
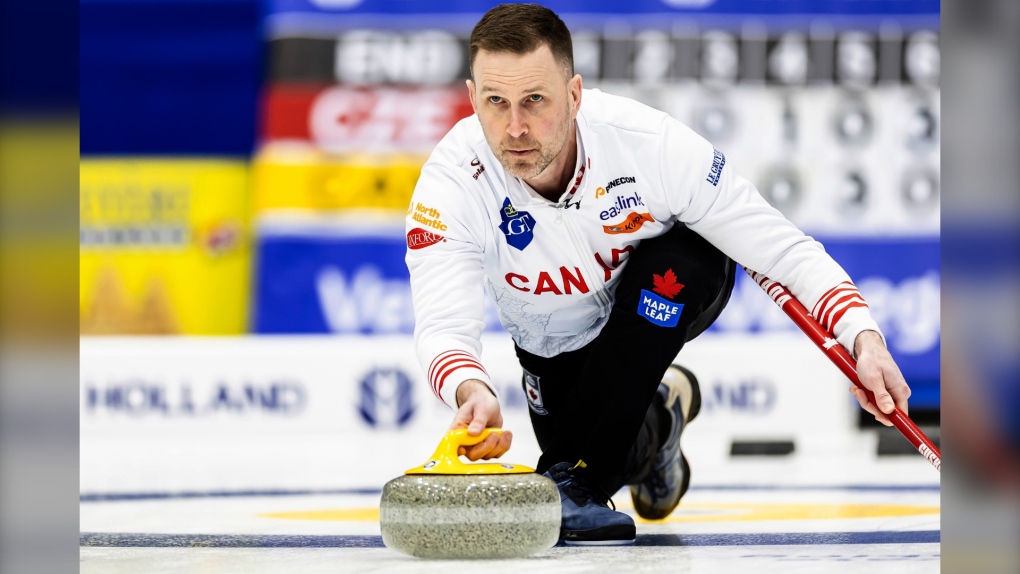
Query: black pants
[[595, 404]]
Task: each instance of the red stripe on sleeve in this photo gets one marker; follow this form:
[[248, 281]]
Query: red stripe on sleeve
[[448, 362], [459, 366], [839, 314], [442, 356], [819, 307], [835, 305]]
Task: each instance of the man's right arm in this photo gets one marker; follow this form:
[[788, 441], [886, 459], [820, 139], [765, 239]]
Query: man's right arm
[[445, 234]]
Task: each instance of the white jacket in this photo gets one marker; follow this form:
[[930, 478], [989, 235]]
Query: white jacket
[[552, 268]]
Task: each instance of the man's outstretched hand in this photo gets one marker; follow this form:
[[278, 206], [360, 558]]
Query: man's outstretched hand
[[478, 409], [879, 373]]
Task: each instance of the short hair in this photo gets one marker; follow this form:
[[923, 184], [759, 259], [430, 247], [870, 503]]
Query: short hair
[[522, 29]]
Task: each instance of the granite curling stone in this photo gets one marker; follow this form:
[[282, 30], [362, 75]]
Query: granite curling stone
[[453, 510]]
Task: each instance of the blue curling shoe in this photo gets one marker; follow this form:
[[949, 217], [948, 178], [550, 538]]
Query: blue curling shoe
[[587, 518]]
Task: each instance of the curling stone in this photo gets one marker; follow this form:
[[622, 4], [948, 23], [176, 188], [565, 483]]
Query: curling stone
[[446, 508]]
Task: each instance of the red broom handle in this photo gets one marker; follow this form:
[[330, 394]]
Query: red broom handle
[[842, 359]]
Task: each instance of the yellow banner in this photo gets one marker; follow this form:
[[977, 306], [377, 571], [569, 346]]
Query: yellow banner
[[165, 246], [37, 178], [288, 179]]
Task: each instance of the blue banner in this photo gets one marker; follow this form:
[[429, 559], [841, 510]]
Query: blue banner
[[358, 284], [332, 284], [352, 282], [301, 17], [735, 7]]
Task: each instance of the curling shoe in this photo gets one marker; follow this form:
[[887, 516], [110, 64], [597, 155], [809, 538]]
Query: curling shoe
[[679, 400], [587, 519]]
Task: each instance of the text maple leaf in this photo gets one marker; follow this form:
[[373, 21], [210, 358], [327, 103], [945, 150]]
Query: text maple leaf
[[666, 284]]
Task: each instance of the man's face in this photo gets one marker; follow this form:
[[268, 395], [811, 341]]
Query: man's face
[[527, 105]]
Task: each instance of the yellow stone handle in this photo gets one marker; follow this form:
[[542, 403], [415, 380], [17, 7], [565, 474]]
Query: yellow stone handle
[[459, 437], [446, 460]]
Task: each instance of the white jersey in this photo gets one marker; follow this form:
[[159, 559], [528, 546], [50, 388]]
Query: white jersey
[[552, 267]]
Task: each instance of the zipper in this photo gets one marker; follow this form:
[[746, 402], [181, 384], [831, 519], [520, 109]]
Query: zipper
[[600, 293]]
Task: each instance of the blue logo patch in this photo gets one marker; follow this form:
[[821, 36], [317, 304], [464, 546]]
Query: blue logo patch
[[518, 226], [715, 172], [386, 399], [659, 311]]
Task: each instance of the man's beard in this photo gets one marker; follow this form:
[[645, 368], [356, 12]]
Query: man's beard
[[534, 163], [526, 167]]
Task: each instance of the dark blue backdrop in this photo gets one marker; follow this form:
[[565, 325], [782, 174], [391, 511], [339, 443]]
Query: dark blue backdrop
[[170, 77]]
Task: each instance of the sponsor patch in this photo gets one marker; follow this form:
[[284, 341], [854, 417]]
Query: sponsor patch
[[620, 181], [659, 311], [533, 390], [518, 226], [481, 167], [620, 205], [633, 222], [715, 172], [419, 238], [428, 216]]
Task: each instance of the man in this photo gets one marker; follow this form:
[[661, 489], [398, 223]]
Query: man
[[606, 232]]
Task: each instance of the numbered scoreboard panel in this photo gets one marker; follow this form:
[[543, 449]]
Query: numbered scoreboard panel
[[754, 54], [839, 129]]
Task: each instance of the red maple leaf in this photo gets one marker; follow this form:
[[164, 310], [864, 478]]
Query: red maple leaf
[[666, 284]]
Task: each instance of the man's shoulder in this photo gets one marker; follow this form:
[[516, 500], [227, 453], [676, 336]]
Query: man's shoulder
[[459, 147], [600, 108], [627, 123], [458, 167]]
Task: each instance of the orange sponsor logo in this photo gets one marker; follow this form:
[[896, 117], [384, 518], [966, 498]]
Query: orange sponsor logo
[[633, 222]]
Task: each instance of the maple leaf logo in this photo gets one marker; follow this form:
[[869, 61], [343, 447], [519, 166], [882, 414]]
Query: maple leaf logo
[[666, 284]]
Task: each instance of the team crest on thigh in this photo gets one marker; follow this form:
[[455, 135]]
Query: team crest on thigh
[[657, 310], [533, 390]]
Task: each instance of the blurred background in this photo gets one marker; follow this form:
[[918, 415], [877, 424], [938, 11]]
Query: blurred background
[[246, 166]]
